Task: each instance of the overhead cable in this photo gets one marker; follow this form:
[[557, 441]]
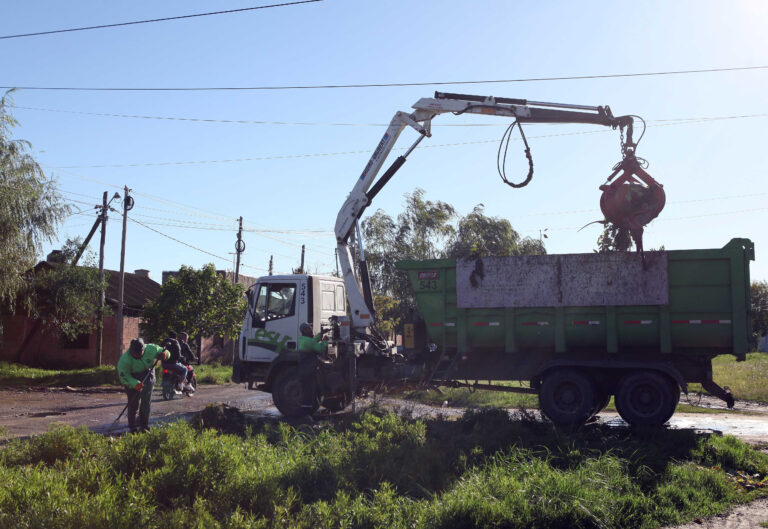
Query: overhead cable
[[187, 244], [164, 19], [666, 123], [385, 85]]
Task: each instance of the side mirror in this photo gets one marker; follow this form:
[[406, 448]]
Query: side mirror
[[256, 321]]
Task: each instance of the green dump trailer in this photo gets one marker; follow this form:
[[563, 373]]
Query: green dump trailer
[[580, 328]]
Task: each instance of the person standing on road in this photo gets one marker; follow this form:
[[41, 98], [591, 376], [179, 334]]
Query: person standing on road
[[136, 372]]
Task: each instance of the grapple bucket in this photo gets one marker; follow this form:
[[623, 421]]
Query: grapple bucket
[[633, 199]]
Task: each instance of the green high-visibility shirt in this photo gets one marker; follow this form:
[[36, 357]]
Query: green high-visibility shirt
[[127, 365], [315, 345]]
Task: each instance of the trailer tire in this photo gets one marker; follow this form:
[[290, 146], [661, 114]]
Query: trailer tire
[[293, 395], [567, 397], [647, 398]]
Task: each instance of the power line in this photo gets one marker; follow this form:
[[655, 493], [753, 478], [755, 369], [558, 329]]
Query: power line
[[165, 19], [662, 123], [385, 85], [339, 124], [247, 122], [187, 244]]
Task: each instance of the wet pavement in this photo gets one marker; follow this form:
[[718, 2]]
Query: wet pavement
[[29, 411]]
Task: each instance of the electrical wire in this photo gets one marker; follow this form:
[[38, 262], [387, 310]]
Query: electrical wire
[[164, 19], [248, 122], [666, 123], [184, 243], [388, 85]]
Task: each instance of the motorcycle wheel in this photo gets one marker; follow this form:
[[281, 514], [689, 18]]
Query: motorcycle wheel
[[168, 392], [193, 383]]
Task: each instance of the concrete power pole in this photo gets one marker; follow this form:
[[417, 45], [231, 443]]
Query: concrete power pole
[[127, 206], [100, 320]]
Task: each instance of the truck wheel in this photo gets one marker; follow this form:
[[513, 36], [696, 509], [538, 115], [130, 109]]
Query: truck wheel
[[334, 404], [567, 397], [294, 396], [647, 398]]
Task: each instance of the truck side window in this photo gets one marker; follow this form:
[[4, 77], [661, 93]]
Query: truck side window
[[280, 300], [260, 308]]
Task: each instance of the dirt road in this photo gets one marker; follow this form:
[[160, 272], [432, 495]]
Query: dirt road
[[32, 410]]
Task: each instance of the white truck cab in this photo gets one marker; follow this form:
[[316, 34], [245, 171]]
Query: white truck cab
[[277, 306]]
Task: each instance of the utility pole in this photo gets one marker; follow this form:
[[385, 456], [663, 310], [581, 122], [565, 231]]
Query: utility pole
[[270, 265], [100, 321], [302, 260], [127, 206], [336, 253], [239, 248]]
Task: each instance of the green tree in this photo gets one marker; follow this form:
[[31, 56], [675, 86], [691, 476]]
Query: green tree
[[65, 298], [426, 230], [479, 235], [201, 302], [31, 210], [759, 294], [419, 232]]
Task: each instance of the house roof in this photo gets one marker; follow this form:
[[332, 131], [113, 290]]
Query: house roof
[[137, 288]]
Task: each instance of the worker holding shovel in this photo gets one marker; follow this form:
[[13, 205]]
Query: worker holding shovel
[[136, 370]]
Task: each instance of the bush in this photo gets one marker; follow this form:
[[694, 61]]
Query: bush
[[377, 470]]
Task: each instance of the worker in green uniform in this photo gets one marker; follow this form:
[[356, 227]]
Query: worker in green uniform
[[136, 370], [310, 343]]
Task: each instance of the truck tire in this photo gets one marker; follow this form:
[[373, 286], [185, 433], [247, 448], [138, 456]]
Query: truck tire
[[295, 396], [567, 397], [334, 404], [647, 398]]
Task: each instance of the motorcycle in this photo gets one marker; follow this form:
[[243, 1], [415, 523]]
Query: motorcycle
[[172, 384]]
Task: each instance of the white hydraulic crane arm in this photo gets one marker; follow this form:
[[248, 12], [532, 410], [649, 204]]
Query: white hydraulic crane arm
[[362, 193]]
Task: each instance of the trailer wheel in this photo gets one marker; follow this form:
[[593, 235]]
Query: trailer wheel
[[647, 398], [567, 397], [295, 396]]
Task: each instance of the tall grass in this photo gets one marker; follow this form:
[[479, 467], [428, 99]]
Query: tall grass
[[379, 470]]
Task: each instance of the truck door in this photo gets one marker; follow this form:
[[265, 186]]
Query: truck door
[[274, 323]]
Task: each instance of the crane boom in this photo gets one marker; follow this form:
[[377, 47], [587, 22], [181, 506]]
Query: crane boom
[[425, 109]]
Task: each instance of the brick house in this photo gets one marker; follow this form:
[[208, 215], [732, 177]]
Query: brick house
[[25, 341]]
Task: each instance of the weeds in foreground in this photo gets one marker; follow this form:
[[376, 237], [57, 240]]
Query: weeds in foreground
[[376, 470]]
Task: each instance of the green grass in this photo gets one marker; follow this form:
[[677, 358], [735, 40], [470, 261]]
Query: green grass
[[747, 379], [213, 374], [378, 470], [17, 375]]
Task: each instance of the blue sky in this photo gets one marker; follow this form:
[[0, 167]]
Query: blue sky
[[193, 179]]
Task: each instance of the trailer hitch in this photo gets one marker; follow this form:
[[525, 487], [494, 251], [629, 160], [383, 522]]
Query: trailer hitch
[[633, 199]]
